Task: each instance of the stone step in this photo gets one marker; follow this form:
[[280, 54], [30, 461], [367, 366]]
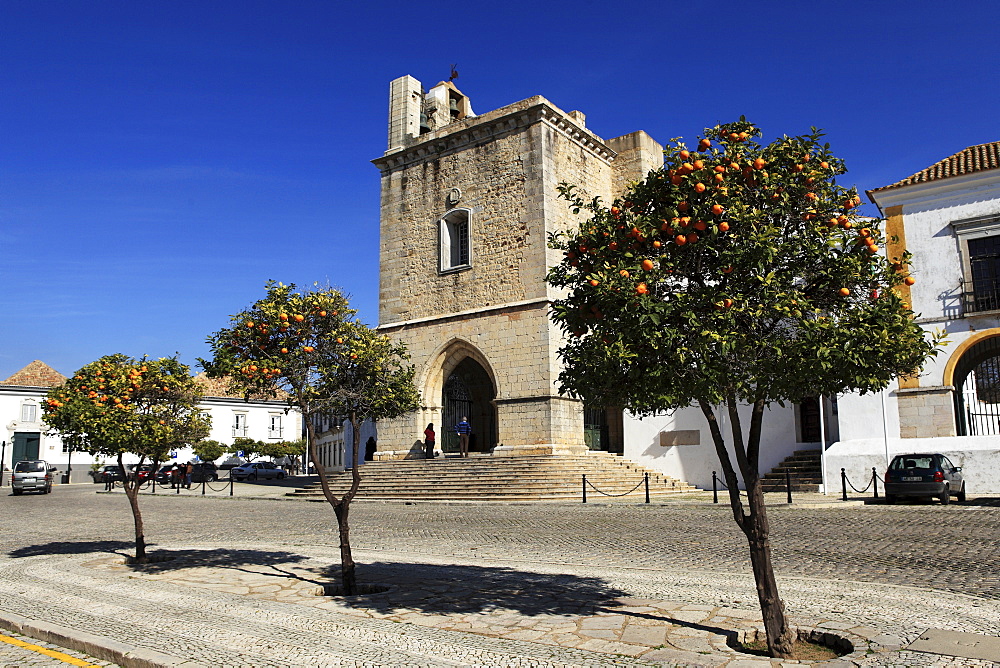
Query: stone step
[[551, 477]]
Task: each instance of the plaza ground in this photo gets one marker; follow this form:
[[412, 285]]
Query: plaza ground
[[489, 584]]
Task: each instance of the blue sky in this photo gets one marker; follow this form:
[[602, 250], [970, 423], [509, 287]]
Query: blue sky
[[160, 161]]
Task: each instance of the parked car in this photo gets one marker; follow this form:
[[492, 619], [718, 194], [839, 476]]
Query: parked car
[[108, 472], [257, 470], [207, 471], [32, 475], [923, 475], [144, 472]]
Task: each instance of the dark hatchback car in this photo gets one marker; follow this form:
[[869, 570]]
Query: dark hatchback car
[[923, 475]]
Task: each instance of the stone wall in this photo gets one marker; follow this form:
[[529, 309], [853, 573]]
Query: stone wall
[[505, 168], [926, 412]]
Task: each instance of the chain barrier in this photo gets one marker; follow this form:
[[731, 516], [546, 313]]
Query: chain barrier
[[644, 481], [151, 485], [845, 483], [716, 481]]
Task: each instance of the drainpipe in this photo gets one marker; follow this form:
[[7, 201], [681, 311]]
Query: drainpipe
[[822, 440]]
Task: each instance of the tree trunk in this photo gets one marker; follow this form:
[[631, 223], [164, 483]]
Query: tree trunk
[[131, 487], [753, 521], [341, 506], [780, 637]]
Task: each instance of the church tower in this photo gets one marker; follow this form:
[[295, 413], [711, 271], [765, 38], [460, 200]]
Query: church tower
[[467, 203]]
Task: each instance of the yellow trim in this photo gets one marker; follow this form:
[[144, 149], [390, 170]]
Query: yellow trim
[[949, 368], [894, 228], [65, 658]]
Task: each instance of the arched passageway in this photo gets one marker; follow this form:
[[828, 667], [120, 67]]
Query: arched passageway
[[977, 389], [469, 392]]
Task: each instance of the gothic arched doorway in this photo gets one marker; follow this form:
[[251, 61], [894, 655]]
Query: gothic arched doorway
[[469, 392]]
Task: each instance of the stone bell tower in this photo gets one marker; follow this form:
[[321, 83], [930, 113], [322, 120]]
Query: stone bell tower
[[467, 204]]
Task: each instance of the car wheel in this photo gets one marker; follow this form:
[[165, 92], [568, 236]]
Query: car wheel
[[961, 494], [890, 499], [253, 477], [17, 492], [281, 476], [945, 496]]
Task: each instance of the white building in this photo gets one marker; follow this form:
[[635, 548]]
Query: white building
[[948, 216], [26, 435]]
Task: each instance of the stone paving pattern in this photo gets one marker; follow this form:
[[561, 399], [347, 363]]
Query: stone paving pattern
[[493, 584]]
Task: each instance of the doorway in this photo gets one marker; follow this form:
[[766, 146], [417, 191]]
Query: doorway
[[26, 445], [469, 392]]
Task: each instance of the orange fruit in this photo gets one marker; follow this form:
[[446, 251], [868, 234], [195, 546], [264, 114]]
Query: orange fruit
[[844, 292], [641, 289], [909, 280], [680, 240], [647, 265], [704, 143], [717, 209], [723, 226]]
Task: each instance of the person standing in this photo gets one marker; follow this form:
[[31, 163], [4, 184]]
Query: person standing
[[463, 429], [188, 470], [371, 447], [429, 440]]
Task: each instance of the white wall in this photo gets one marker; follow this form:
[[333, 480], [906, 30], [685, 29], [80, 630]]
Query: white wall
[[694, 463], [979, 457]]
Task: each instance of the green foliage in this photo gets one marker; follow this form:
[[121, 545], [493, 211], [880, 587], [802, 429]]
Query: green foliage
[[209, 451], [737, 270], [309, 348], [120, 405]]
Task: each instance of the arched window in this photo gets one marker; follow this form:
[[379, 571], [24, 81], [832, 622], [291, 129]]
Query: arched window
[[977, 390], [455, 239]]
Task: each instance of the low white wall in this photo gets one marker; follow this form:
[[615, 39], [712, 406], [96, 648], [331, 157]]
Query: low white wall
[[979, 457], [694, 463]]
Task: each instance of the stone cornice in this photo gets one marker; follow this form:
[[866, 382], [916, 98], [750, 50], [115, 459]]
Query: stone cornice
[[459, 135], [462, 315]]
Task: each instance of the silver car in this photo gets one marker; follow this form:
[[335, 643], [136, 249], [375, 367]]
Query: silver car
[[257, 470], [32, 474]]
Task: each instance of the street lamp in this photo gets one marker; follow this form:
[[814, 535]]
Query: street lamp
[[3, 458]]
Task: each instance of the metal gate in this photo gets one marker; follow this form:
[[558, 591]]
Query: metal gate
[[977, 390], [457, 404]]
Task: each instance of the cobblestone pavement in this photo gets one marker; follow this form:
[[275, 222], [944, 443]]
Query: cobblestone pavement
[[493, 584]]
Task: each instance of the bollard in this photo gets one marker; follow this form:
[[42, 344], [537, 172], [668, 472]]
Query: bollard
[[154, 482], [875, 481], [585, 488], [843, 483], [646, 480], [203, 479], [715, 489], [230, 483], [788, 485]]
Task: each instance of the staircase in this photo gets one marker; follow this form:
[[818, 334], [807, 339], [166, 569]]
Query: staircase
[[805, 469], [484, 478]]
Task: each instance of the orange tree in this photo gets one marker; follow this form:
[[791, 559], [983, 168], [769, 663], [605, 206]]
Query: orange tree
[[309, 348], [120, 405], [738, 273]]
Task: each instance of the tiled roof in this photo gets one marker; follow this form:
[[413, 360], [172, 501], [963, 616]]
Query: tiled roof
[[974, 159], [218, 387], [36, 374]]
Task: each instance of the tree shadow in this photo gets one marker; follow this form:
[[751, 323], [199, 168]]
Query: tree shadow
[[474, 589], [163, 561], [72, 547]]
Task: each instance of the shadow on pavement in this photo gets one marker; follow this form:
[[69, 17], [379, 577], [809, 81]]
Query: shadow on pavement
[[72, 547], [167, 560], [474, 589]]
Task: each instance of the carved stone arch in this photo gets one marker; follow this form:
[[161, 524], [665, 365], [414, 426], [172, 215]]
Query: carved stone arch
[[458, 371], [445, 359]]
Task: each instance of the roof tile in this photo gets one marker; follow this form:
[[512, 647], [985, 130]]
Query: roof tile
[[978, 158], [36, 374]]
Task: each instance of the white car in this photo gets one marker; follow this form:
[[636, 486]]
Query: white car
[[256, 471]]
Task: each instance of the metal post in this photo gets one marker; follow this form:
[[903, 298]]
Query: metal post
[[646, 481], [179, 485], [230, 482], [203, 478], [154, 480], [715, 489], [843, 483], [585, 488], [875, 481], [788, 485], [3, 458]]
